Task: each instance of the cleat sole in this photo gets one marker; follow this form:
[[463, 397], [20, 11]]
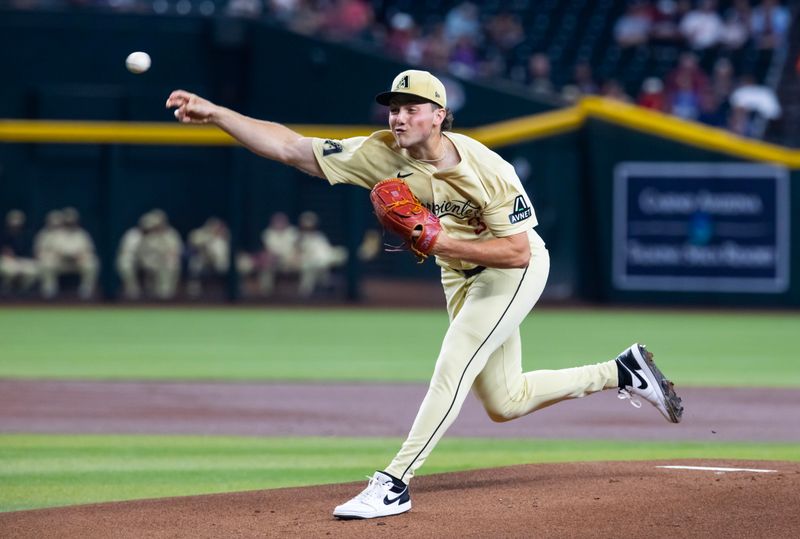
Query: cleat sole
[[671, 400]]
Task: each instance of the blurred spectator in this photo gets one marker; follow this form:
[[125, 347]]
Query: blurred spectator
[[770, 24], [712, 112], [633, 27], [736, 25], [347, 19], [316, 255], [464, 58], [666, 22], [492, 64], [683, 100], [435, 49], [756, 98], [570, 94], [583, 80], [160, 255], [63, 247], [722, 80], [504, 31], [209, 254], [539, 74], [702, 27], [612, 89], [688, 68], [652, 95], [128, 258], [44, 248], [462, 21], [280, 252], [751, 105], [17, 265], [403, 37]]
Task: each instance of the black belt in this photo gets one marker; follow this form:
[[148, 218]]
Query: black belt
[[472, 272]]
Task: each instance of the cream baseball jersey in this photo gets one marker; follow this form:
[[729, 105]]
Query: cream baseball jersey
[[479, 198]]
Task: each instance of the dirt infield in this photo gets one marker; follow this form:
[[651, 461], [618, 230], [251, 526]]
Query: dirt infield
[[582, 500], [558, 500]]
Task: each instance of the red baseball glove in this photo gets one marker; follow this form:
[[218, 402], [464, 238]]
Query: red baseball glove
[[399, 211]]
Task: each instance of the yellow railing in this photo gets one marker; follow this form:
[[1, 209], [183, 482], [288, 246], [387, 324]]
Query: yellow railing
[[494, 135], [691, 133]]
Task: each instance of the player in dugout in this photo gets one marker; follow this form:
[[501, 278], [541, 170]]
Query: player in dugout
[[493, 267]]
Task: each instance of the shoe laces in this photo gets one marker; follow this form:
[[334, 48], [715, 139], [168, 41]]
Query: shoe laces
[[624, 394], [375, 490]]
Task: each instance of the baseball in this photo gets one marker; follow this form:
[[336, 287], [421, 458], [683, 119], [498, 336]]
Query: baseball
[[138, 62]]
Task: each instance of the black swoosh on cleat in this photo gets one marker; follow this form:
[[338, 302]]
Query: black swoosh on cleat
[[387, 501], [401, 176], [642, 381]]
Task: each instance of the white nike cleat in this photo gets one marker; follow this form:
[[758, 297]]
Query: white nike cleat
[[384, 496], [639, 376]]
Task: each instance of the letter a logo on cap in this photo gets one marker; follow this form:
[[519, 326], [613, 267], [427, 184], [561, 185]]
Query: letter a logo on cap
[[424, 85]]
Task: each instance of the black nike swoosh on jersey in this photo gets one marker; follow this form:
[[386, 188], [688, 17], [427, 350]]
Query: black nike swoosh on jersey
[[387, 501], [643, 382], [401, 176]]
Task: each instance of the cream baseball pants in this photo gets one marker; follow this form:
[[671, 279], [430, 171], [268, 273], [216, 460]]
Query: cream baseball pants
[[482, 350]]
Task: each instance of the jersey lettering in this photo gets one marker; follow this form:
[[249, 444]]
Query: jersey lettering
[[463, 209]]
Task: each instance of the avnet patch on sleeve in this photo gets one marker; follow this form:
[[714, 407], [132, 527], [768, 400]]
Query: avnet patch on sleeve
[[521, 211]]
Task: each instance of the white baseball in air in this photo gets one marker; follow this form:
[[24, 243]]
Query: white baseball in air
[[137, 62]]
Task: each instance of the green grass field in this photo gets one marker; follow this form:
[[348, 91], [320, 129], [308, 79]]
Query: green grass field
[[694, 348], [46, 471]]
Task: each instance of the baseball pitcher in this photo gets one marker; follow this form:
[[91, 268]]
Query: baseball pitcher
[[449, 196]]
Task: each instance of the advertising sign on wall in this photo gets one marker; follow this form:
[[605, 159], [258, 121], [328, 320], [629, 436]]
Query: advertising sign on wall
[[701, 227]]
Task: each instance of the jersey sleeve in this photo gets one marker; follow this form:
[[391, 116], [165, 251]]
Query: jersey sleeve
[[344, 161], [510, 210]]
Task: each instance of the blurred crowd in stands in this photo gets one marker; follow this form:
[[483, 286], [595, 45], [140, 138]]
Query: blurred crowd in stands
[[723, 97], [705, 80], [154, 263]]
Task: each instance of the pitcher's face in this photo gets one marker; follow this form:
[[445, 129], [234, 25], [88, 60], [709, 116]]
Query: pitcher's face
[[413, 122]]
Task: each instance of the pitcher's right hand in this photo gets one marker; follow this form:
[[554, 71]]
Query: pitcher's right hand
[[190, 108]]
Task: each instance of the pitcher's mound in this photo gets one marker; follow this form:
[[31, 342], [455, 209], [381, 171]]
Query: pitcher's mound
[[582, 500]]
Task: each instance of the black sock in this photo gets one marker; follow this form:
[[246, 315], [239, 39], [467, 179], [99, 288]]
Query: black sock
[[397, 481], [623, 376]]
